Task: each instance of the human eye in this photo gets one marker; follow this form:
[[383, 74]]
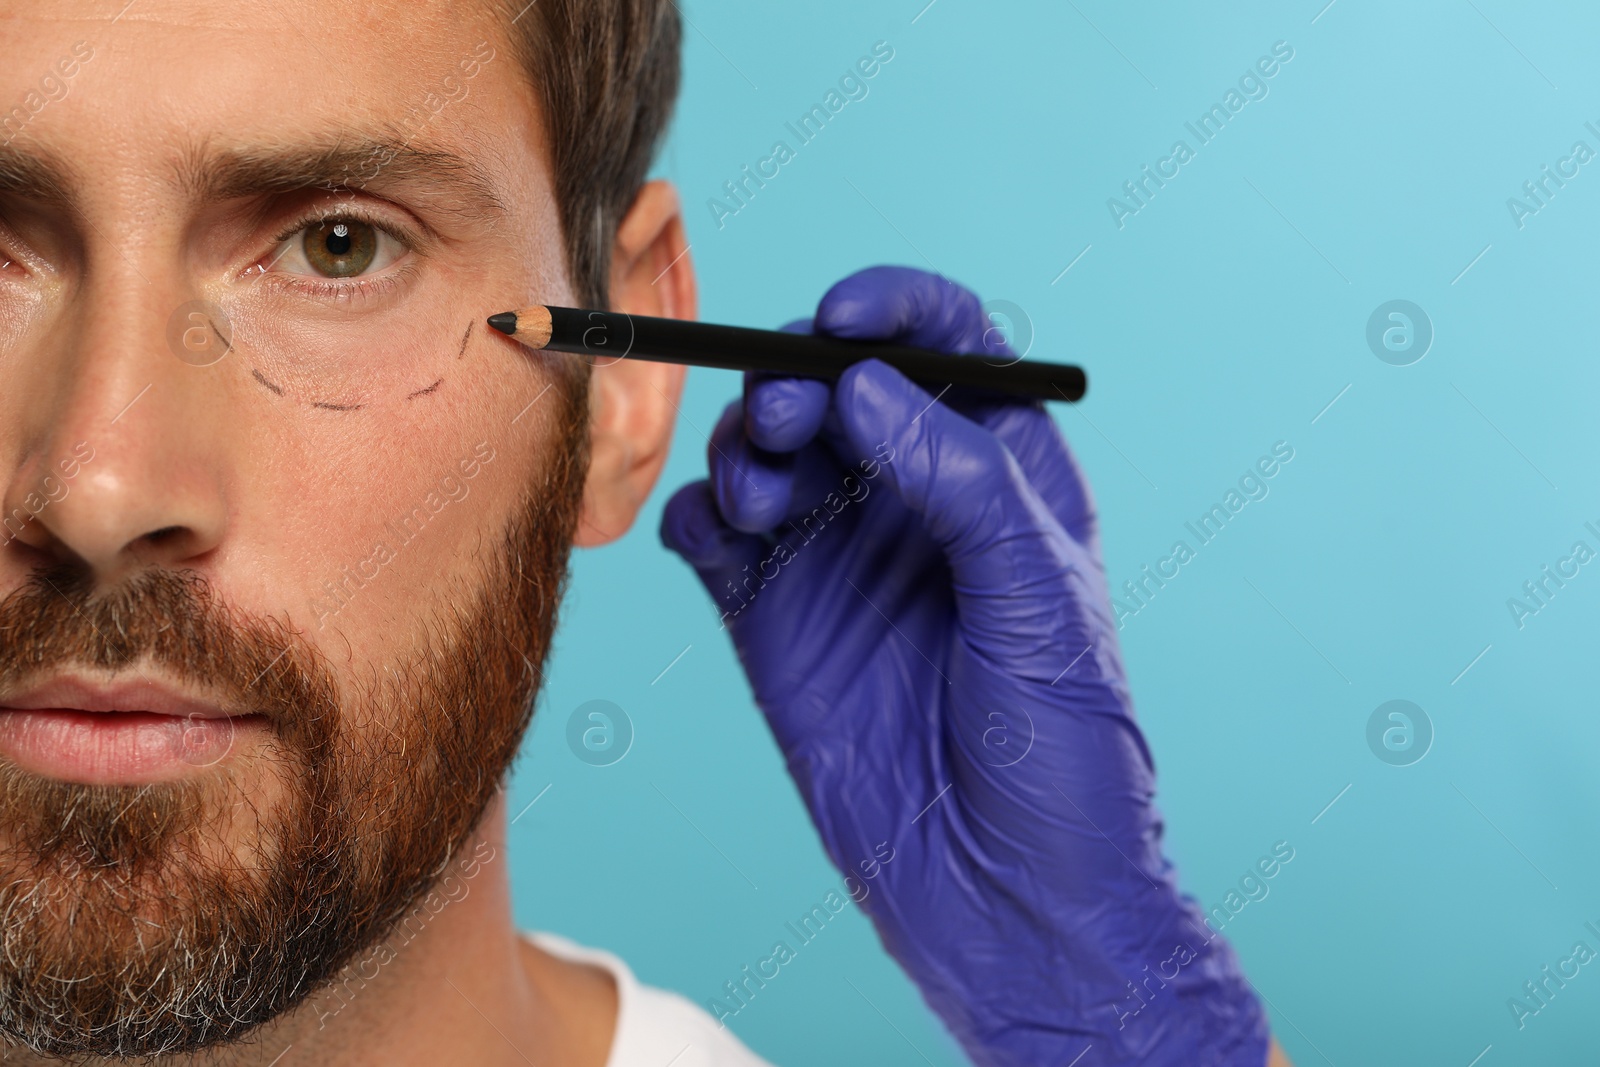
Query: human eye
[[336, 253]]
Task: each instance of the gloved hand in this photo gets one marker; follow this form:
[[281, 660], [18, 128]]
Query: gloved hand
[[914, 588]]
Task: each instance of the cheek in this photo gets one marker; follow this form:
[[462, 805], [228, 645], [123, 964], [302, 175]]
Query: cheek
[[348, 520]]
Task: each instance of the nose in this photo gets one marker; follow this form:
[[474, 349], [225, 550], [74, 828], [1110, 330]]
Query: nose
[[117, 468]]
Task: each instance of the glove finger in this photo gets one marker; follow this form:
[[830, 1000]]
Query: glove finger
[[1036, 440], [758, 491], [1024, 588], [791, 485], [752, 486], [910, 307], [692, 526], [784, 414]]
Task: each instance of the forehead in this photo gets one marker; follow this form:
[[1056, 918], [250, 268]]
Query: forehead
[[157, 77]]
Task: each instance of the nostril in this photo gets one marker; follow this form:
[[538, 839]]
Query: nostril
[[168, 544], [167, 541]]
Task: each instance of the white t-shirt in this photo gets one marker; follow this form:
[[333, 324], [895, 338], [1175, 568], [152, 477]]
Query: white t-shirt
[[655, 1028]]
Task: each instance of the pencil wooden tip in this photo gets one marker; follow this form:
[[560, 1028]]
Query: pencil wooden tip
[[530, 325]]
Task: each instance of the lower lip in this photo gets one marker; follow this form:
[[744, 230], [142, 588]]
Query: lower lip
[[120, 747]]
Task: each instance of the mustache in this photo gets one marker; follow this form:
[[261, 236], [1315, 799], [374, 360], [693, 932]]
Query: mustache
[[171, 619]]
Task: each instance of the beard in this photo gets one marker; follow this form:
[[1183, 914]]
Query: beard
[[176, 916]]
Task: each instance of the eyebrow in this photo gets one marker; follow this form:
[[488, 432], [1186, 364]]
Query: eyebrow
[[464, 190], [34, 176], [461, 188]]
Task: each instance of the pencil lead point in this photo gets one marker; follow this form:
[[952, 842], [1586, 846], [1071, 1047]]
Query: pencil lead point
[[505, 322]]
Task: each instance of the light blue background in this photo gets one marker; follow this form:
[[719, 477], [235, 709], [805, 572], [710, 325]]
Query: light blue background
[[1224, 317]]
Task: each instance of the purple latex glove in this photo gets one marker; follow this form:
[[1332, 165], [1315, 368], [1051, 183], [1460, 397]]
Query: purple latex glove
[[915, 590]]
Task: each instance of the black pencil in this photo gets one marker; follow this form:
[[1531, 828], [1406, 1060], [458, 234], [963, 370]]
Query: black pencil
[[609, 335]]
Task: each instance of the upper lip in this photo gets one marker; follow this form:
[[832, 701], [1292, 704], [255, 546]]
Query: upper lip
[[77, 693]]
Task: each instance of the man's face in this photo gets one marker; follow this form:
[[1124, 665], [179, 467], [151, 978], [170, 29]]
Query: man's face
[[268, 481]]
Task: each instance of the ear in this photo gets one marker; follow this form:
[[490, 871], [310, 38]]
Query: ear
[[634, 403]]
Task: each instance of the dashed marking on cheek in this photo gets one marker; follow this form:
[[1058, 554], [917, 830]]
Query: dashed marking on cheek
[[257, 375], [277, 390]]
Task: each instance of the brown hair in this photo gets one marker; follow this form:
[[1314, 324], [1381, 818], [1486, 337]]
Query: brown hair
[[606, 72]]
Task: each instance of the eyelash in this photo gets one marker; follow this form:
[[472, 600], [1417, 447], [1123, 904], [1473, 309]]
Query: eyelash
[[341, 290]]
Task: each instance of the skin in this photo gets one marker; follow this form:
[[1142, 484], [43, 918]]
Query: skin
[[247, 470]]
